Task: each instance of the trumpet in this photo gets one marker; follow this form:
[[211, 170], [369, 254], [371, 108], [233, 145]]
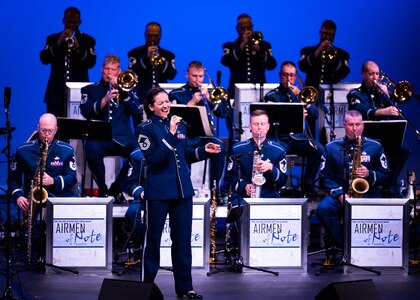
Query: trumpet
[[156, 59], [70, 41], [330, 53], [256, 37]]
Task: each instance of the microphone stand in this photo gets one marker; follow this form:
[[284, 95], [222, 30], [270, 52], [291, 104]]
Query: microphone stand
[[7, 293]]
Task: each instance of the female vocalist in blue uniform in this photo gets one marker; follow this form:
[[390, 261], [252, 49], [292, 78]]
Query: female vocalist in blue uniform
[[162, 139]]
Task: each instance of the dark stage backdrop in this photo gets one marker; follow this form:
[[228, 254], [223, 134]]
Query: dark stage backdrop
[[385, 31]]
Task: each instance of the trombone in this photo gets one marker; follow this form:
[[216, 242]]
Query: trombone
[[126, 81], [401, 93], [217, 94], [307, 95]]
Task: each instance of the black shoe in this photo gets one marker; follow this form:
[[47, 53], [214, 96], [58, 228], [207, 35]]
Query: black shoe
[[190, 295]]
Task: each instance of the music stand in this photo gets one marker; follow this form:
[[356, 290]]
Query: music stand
[[79, 129], [196, 117], [389, 133], [285, 118]]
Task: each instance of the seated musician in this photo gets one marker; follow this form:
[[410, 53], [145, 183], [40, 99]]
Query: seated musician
[[372, 100], [104, 101], [301, 144], [194, 92], [343, 161], [48, 163], [256, 169]]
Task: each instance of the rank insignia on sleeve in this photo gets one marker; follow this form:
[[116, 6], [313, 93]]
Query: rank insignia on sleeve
[[144, 142]]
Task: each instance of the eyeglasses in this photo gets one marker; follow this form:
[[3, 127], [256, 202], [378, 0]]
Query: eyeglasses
[[288, 75], [46, 131]]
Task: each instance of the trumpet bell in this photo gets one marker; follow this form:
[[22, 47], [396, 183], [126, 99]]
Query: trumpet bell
[[157, 60], [218, 94], [403, 91], [256, 37], [127, 80], [308, 95]]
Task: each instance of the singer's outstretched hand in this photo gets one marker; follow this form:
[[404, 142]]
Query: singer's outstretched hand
[[212, 148]]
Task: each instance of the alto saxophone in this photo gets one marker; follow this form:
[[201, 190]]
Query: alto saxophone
[[358, 186], [257, 178], [213, 228]]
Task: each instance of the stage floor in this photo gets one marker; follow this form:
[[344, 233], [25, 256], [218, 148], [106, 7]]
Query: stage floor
[[58, 284], [225, 285]]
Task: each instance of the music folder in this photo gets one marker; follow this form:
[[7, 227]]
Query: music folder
[[284, 117], [79, 129], [389, 133], [196, 117]]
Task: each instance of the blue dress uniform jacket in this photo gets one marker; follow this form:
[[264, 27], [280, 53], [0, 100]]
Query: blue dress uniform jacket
[[168, 191], [334, 177], [167, 157], [283, 95], [244, 152], [338, 157], [367, 101], [119, 117], [317, 72], [79, 62], [246, 66], [185, 93], [148, 75], [60, 165]]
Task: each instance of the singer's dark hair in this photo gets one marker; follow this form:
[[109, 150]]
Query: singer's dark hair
[[150, 99]]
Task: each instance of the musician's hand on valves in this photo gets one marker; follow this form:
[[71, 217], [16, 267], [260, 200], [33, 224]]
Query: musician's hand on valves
[[246, 38], [322, 47], [22, 203], [64, 35], [151, 51], [212, 148]]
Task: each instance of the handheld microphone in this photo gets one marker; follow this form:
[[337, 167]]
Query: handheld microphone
[[182, 121], [7, 95], [218, 77]]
